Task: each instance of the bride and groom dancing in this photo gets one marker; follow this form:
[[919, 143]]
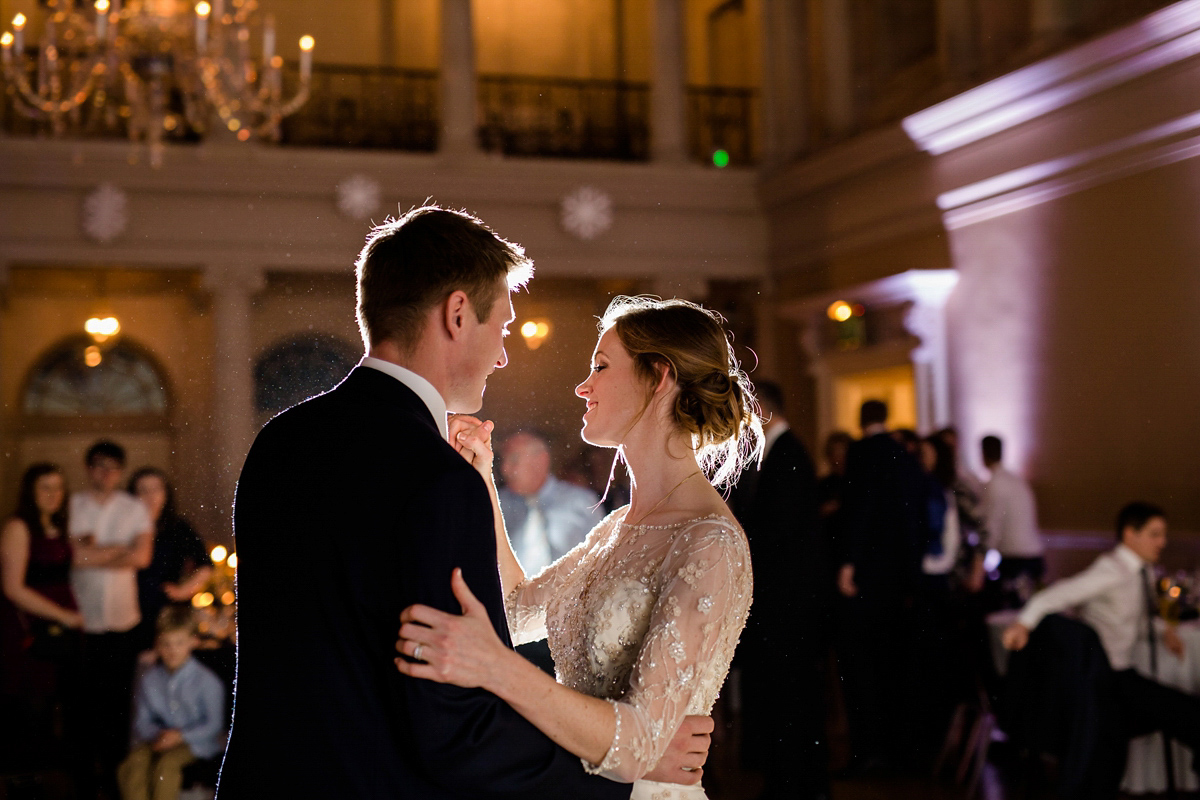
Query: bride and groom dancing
[[357, 520]]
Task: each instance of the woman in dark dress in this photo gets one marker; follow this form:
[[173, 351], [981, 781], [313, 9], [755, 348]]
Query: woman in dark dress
[[39, 646], [181, 565]]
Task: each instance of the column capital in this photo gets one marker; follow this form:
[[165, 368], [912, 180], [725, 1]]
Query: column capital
[[234, 278], [691, 287]]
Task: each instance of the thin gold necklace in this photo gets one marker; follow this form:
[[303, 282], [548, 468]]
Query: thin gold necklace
[[664, 499]]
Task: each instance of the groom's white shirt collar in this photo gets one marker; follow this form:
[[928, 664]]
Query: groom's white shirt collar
[[425, 390]]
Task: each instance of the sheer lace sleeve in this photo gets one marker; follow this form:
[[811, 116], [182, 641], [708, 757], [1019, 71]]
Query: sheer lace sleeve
[[694, 628], [525, 605]]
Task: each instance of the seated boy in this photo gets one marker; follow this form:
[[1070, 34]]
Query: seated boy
[[178, 714]]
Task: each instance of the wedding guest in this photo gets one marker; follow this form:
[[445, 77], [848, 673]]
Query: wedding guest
[[181, 566], [939, 660], [114, 538], [178, 713], [1116, 597], [784, 648], [966, 478], [909, 440], [38, 618], [1010, 521], [881, 561], [831, 494], [545, 517]]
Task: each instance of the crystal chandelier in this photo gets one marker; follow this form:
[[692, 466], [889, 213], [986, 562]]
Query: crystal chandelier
[[153, 68]]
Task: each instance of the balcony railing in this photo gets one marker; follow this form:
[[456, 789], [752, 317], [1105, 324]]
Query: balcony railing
[[723, 119], [367, 107], [398, 109], [564, 117]]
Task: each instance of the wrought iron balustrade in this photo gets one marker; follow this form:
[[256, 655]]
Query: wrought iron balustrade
[[398, 109], [723, 118], [366, 107], [564, 117]]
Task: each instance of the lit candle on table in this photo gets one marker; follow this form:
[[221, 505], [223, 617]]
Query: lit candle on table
[[306, 48], [6, 42]]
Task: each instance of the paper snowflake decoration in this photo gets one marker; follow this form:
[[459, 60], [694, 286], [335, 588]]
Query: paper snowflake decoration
[[358, 196], [105, 213], [587, 212]]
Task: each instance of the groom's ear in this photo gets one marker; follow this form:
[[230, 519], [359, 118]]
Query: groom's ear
[[454, 312]]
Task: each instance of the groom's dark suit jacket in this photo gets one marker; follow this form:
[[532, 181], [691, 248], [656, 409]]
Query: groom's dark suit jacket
[[350, 507]]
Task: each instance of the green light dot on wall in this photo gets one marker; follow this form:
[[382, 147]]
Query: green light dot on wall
[[720, 159]]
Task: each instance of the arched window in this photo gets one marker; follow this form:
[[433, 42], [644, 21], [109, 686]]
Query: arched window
[[298, 368], [77, 378]]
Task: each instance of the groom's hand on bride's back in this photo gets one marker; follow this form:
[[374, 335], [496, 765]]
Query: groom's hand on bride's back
[[684, 760]]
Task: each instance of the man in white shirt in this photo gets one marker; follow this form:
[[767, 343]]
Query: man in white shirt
[[1010, 521], [113, 538], [1116, 597]]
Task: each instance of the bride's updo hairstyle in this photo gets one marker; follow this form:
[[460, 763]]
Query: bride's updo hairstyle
[[715, 403]]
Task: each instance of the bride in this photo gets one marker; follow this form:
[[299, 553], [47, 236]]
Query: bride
[[642, 617]]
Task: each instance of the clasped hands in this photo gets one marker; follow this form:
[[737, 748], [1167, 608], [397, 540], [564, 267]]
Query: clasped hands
[[472, 438]]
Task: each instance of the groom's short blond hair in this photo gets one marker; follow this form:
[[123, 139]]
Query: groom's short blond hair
[[412, 263]]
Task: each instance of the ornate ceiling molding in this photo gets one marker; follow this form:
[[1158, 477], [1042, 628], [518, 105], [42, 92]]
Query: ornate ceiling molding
[[1156, 41]]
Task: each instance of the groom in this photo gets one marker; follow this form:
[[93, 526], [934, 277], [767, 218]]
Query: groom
[[352, 506]]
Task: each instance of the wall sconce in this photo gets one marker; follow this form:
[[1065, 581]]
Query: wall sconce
[[102, 328], [535, 332]]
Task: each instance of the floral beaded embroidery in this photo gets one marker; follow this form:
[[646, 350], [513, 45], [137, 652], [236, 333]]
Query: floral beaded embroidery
[[647, 617]]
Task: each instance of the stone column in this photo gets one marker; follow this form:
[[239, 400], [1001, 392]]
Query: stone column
[[459, 101], [387, 33], [766, 323], [818, 368], [1051, 18], [836, 36], [668, 99], [785, 101], [926, 319], [957, 50], [233, 287]]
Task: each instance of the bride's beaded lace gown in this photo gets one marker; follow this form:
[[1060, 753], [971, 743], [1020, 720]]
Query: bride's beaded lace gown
[[647, 617]]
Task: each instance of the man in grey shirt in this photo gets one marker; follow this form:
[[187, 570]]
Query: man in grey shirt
[[545, 517]]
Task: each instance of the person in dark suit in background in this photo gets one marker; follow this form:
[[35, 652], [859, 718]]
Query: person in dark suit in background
[[881, 564], [364, 475], [782, 654]]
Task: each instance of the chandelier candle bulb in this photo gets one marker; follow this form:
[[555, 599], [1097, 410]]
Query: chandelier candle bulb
[[202, 11], [6, 42], [306, 48], [102, 20], [19, 33], [268, 40]]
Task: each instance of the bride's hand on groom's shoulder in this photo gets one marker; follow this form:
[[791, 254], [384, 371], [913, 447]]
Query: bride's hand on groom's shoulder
[[462, 649], [472, 438]]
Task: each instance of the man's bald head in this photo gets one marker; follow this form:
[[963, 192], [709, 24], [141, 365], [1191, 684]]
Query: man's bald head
[[525, 462]]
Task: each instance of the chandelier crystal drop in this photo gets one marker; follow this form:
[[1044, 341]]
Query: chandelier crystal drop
[[156, 69]]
